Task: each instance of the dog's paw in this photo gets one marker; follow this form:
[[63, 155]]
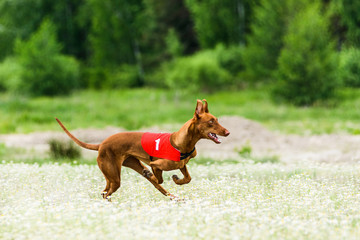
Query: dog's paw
[[147, 173], [175, 198], [108, 198], [103, 194]]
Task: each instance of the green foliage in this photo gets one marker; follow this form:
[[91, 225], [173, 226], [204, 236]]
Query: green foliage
[[218, 21], [114, 42], [201, 71], [350, 15], [18, 19], [10, 74], [230, 58], [122, 43], [142, 107], [350, 67], [266, 159], [164, 15], [113, 32], [174, 46], [265, 41], [207, 70], [210, 161], [72, 22], [124, 76], [270, 23], [245, 151], [3, 150], [44, 70], [307, 63], [60, 149]]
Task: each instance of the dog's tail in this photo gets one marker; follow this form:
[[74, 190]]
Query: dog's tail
[[77, 141]]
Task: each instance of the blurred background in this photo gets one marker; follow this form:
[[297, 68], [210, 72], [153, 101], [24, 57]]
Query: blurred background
[[98, 63]]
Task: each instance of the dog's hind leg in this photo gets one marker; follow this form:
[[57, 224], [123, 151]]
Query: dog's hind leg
[[136, 165], [111, 171], [105, 191]]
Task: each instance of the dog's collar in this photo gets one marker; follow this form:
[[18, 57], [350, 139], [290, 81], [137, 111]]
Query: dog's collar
[[182, 155], [185, 155]]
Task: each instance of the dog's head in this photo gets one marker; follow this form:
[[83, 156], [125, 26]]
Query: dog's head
[[206, 124]]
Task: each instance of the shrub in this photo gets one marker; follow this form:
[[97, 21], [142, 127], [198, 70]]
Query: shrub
[[230, 58], [201, 71], [60, 149], [3, 149], [307, 63], [350, 67], [123, 76], [245, 150], [44, 70], [10, 74]]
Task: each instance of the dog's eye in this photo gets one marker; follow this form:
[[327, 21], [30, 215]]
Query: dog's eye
[[211, 121]]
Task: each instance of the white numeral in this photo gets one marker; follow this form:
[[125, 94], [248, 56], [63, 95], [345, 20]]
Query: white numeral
[[157, 144]]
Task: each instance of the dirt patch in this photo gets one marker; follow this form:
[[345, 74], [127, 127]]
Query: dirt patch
[[264, 143]]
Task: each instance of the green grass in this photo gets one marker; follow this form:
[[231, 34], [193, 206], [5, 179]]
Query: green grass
[[136, 108], [21, 155]]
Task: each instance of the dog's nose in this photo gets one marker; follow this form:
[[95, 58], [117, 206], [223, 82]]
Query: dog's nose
[[227, 133]]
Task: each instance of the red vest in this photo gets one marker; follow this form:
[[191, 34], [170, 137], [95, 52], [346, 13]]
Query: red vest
[[158, 145]]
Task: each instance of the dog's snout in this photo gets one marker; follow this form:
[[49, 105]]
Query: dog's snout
[[227, 133]]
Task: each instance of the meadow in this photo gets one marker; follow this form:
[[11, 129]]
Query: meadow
[[238, 199], [231, 201], [136, 108]]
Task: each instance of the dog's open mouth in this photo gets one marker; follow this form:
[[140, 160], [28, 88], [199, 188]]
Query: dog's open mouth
[[214, 137]]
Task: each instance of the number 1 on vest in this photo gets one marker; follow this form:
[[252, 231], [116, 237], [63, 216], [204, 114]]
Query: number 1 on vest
[[157, 144]]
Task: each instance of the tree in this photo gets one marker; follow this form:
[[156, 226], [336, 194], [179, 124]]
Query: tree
[[307, 64], [349, 67], [44, 70], [169, 17], [114, 38], [218, 21], [18, 19], [350, 15], [72, 25], [264, 43]]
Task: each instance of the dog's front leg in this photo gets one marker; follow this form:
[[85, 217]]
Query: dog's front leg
[[184, 180], [158, 174]]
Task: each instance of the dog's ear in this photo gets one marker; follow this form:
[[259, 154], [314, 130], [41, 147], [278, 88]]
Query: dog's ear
[[205, 106], [199, 109]]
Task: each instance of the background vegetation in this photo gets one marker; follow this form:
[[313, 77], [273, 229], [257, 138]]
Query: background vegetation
[[270, 53], [121, 43]]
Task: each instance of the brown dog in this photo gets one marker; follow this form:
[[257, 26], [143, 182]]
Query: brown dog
[[127, 149]]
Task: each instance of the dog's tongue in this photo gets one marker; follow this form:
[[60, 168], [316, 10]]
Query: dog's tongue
[[215, 137]]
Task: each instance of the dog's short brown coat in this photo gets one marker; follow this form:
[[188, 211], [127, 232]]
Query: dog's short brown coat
[[124, 149]]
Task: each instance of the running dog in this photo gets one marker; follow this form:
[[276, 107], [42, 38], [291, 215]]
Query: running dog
[[162, 152]]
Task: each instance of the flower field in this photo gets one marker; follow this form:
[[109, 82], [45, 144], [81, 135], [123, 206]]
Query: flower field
[[228, 201]]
